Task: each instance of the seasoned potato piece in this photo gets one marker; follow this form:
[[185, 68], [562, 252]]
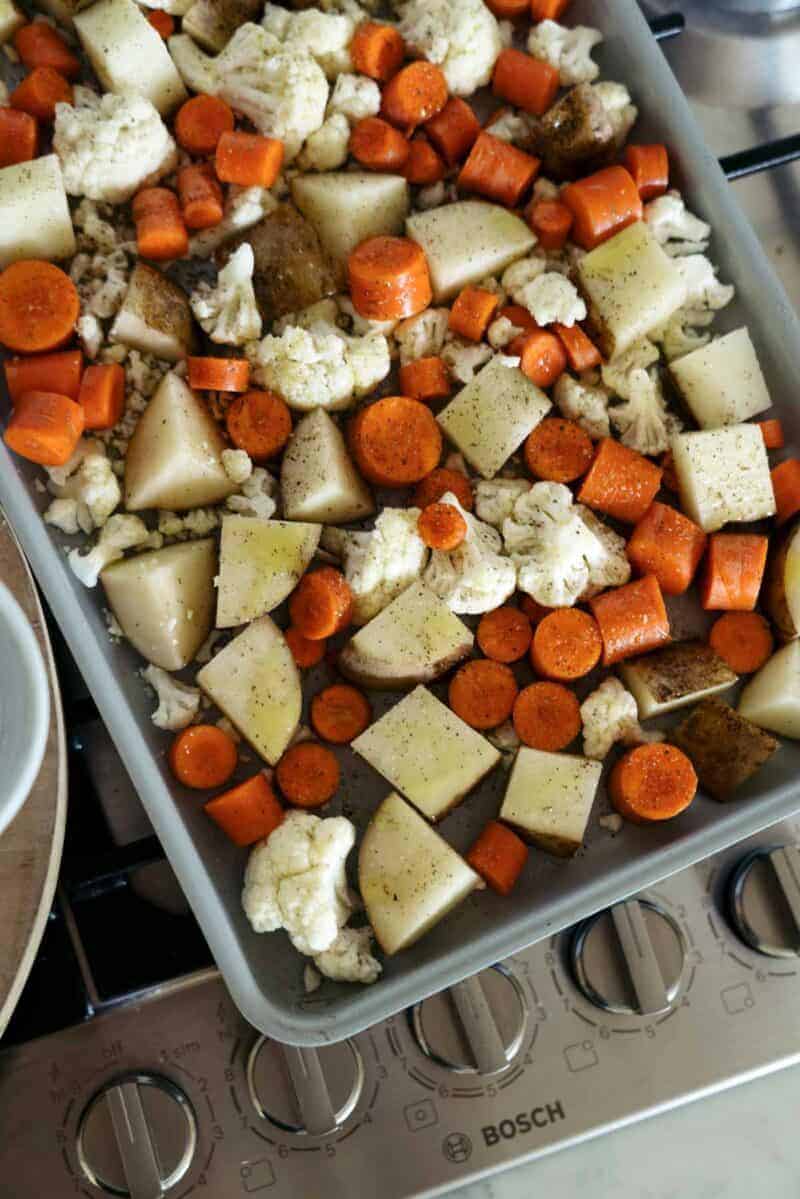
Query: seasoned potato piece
[[128, 55], [319, 481], [575, 136], [466, 242], [347, 207], [35, 221], [725, 749], [675, 676], [550, 797], [723, 475], [772, 697], [212, 23], [155, 316], [260, 562], [782, 587], [722, 383]]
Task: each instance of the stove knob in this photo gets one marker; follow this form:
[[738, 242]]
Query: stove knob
[[629, 959], [764, 900], [475, 1027], [305, 1091], [137, 1136]]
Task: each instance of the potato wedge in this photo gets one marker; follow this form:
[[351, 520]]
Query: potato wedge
[[128, 55], [347, 207], [549, 799], [319, 481], [468, 241], [155, 316], [35, 221], [575, 135], [260, 562], [212, 23], [723, 476], [782, 589], [722, 383], [772, 697], [11, 19], [725, 749], [675, 676]]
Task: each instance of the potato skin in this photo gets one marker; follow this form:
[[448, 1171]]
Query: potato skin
[[776, 586], [575, 136], [725, 748]]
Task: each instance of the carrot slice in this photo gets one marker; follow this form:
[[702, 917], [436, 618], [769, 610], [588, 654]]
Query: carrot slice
[[39, 93], [786, 485], [247, 813], [547, 10], [248, 158], [453, 131], [308, 774], [379, 146], [414, 95], [541, 356], [482, 693], [423, 165], [442, 527], [669, 479], [534, 612], [305, 652], [200, 196], [162, 22], [40, 45], [733, 571], [219, 374], [665, 543], [547, 716], [508, 10], [498, 856], [340, 713], [526, 82], [160, 231], [44, 428], [203, 756], [59, 372], [388, 278], [472, 311], [551, 221], [602, 204], [772, 432], [558, 450], [321, 604], [377, 50], [648, 166], [498, 170], [632, 619], [620, 482], [19, 137], [566, 645], [260, 423], [582, 353], [395, 441], [438, 483], [201, 122], [742, 639], [504, 635], [425, 379], [651, 783], [39, 306], [102, 395]]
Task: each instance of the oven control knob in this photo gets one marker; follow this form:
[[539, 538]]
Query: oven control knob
[[629, 959], [305, 1091], [475, 1027], [764, 900], [137, 1136]]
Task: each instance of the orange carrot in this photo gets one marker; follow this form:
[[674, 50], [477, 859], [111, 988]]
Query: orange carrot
[[203, 756], [201, 122], [59, 372], [219, 374], [558, 450], [248, 159], [395, 441], [321, 604], [520, 317], [547, 716], [482, 693], [632, 619], [508, 10], [423, 165], [39, 306], [742, 639], [498, 170], [472, 311], [308, 774], [665, 543], [541, 356], [39, 93], [668, 477], [498, 855], [44, 428], [19, 137], [162, 22], [340, 713], [40, 45], [620, 482], [306, 653], [102, 395], [648, 166], [414, 95], [526, 82], [504, 635], [582, 353], [425, 379], [160, 231], [247, 813], [547, 10], [260, 423], [602, 204], [453, 131], [377, 50], [200, 196], [534, 612], [733, 571], [388, 278], [442, 527], [379, 146], [566, 645], [772, 432], [438, 483], [551, 221], [651, 783], [786, 485]]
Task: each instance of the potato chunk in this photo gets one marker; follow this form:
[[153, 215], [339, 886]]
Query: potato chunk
[[675, 677], [35, 221], [550, 797], [725, 749], [347, 207], [155, 316], [467, 242], [723, 475], [722, 383], [772, 697], [128, 55], [261, 561], [319, 480]]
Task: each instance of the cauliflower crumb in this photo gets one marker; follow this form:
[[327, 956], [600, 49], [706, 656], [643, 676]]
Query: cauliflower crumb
[[464, 358], [101, 280], [120, 533], [327, 148], [381, 563], [513, 126], [568, 50], [257, 497], [178, 704], [616, 100], [350, 959], [612, 823], [94, 488], [63, 515], [435, 195], [90, 332], [610, 714], [585, 401], [198, 522], [460, 36], [502, 332], [422, 336], [228, 311], [473, 578], [355, 97], [237, 465], [495, 498], [674, 226]]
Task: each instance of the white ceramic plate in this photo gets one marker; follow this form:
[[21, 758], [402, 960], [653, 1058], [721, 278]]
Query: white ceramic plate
[[24, 707]]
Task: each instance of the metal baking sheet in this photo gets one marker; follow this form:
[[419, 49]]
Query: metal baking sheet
[[264, 973]]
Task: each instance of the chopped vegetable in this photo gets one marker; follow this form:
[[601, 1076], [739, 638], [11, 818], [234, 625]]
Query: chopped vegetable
[[322, 604], [201, 122], [453, 131], [482, 693], [423, 165], [431, 489], [425, 379], [248, 159], [340, 713], [665, 543], [414, 95], [498, 855], [200, 196], [498, 170], [582, 354], [19, 137], [388, 278], [551, 221], [566, 645], [651, 783], [620, 482], [219, 374], [308, 775], [39, 306], [772, 432], [44, 428], [725, 749], [260, 423], [733, 571], [786, 486], [676, 676], [648, 166], [203, 756], [541, 357], [248, 812], [602, 205], [306, 653], [40, 92], [162, 22], [558, 450], [59, 372], [472, 312], [632, 619], [742, 639], [377, 50], [547, 716], [102, 395], [160, 229], [524, 81], [504, 635], [395, 441], [40, 45], [379, 146], [442, 527]]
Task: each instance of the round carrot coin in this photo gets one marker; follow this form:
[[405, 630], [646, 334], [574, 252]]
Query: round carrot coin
[[39, 306], [431, 489], [260, 423], [742, 639], [321, 604], [202, 756], [308, 774], [652, 783], [547, 716], [558, 450], [442, 527], [395, 441], [305, 652], [482, 693], [566, 645], [504, 635], [340, 713]]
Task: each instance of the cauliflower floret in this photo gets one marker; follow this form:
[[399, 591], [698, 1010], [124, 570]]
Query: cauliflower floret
[[369, 359], [551, 299], [644, 422], [703, 288], [90, 332], [611, 568], [257, 497], [237, 465], [586, 402], [198, 522], [464, 358], [120, 533], [621, 112], [616, 373], [495, 498], [350, 959], [95, 231], [111, 146], [435, 196], [63, 515], [244, 207], [228, 311], [502, 332], [319, 367], [327, 148], [101, 280], [473, 578], [325, 311], [460, 36], [671, 222], [57, 476], [281, 89], [325, 36], [520, 274], [358, 324], [681, 333], [422, 336], [95, 489], [178, 704], [295, 880], [513, 126], [610, 714], [381, 563], [355, 97], [568, 50]]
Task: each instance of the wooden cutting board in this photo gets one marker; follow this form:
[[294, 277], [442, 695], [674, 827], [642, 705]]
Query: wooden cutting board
[[30, 848]]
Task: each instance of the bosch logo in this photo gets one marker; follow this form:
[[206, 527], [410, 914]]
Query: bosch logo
[[522, 1123]]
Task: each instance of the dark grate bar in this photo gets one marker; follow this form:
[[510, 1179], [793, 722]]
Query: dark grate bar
[[761, 158], [104, 872], [670, 25]]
